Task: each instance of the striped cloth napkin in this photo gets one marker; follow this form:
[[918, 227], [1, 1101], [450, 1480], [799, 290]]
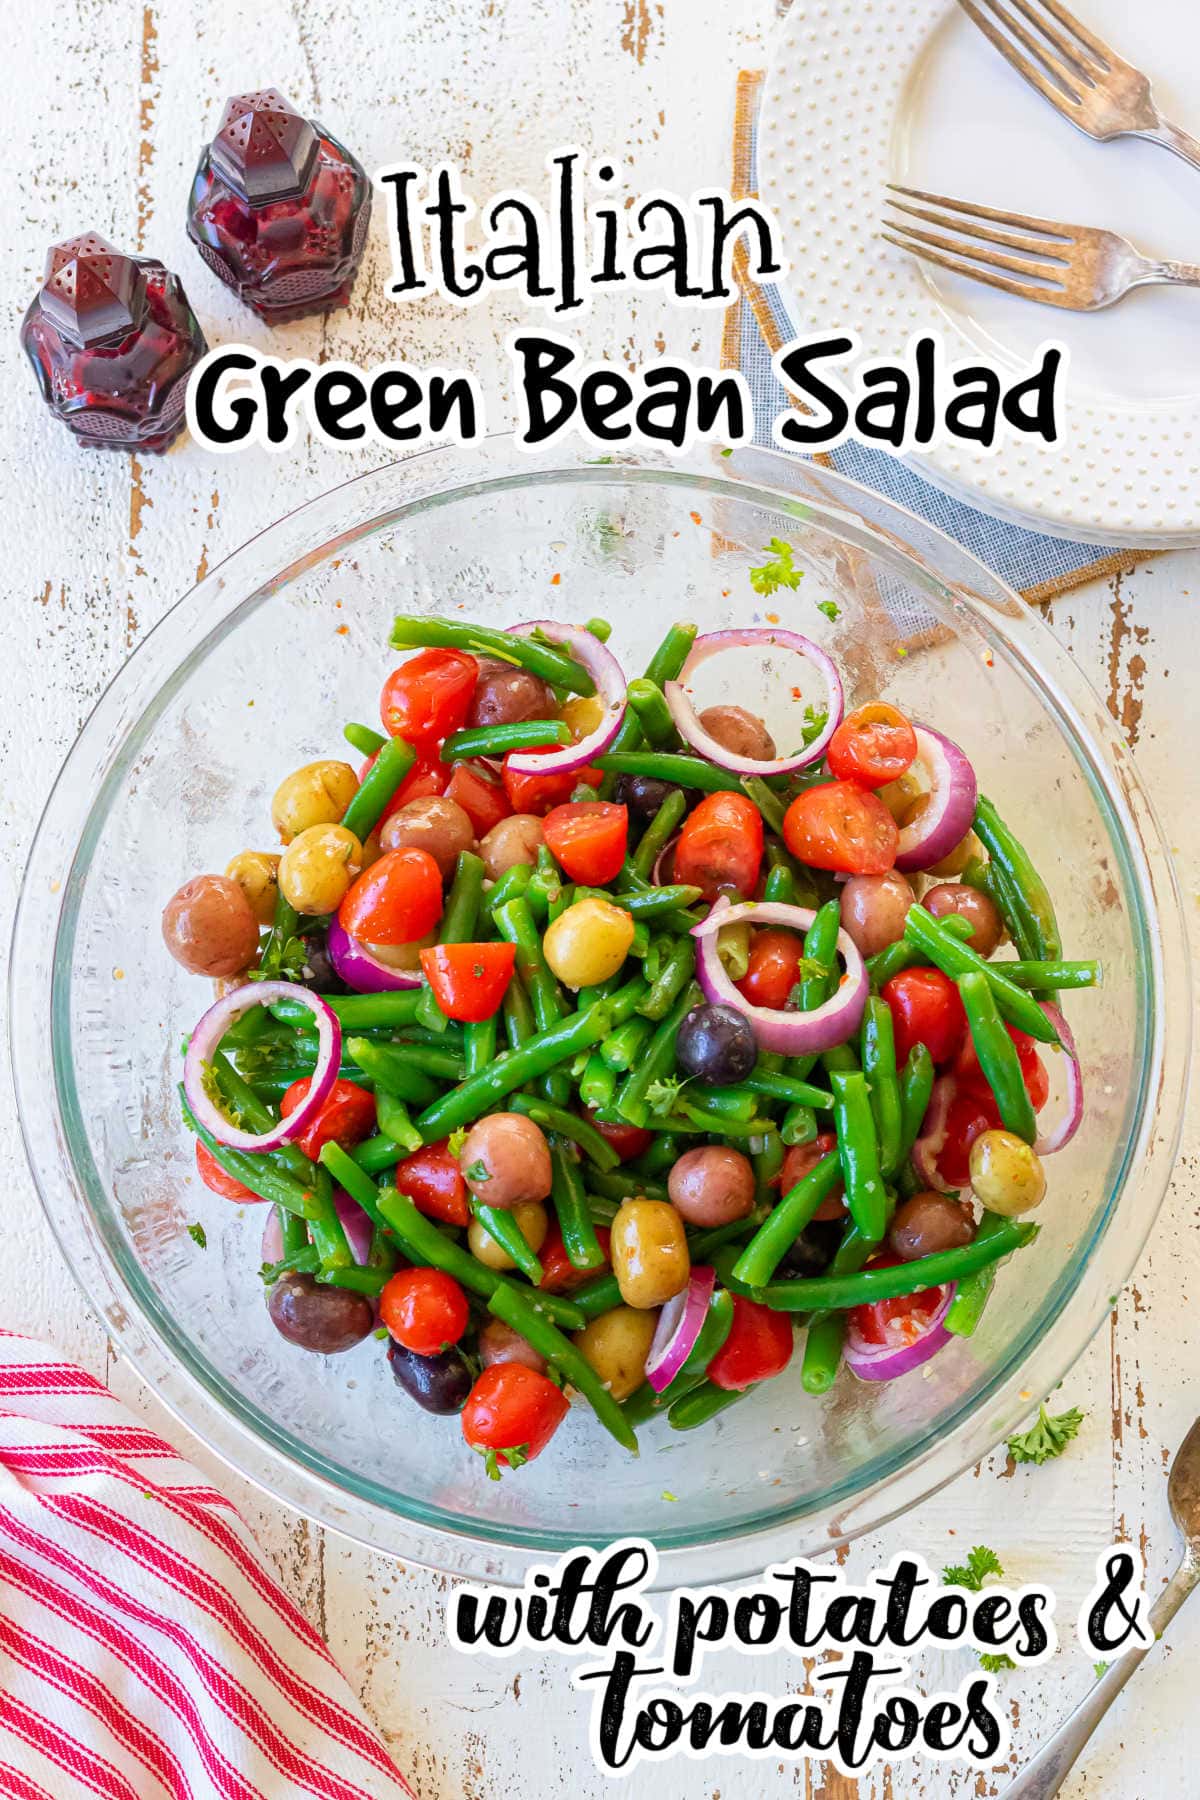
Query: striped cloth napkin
[[145, 1652]]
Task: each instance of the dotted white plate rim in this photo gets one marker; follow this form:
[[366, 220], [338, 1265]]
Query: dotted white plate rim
[[825, 154]]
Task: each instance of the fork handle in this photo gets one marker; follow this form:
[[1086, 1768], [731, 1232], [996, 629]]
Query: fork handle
[[1169, 274], [1044, 1776], [1173, 137]]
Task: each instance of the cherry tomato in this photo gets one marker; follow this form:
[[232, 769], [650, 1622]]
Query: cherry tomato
[[511, 1414], [627, 1140], [468, 980], [427, 776], [429, 696], [559, 1274], [346, 1118], [538, 793], [893, 1324], [396, 900], [759, 1345], [971, 1078], [800, 1160], [841, 826], [720, 846], [969, 1116], [873, 745], [218, 1182], [433, 1182], [480, 795], [424, 1309], [774, 968], [587, 839], [926, 1009]]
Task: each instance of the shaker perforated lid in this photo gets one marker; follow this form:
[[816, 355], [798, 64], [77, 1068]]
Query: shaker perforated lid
[[264, 148], [91, 291]]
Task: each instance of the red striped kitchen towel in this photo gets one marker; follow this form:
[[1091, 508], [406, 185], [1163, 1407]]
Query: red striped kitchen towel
[[145, 1652]]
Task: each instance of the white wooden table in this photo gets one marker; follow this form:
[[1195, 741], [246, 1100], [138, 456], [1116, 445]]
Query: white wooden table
[[109, 105]]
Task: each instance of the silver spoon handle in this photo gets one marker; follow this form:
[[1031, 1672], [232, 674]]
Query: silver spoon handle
[[1054, 1761], [1173, 137]]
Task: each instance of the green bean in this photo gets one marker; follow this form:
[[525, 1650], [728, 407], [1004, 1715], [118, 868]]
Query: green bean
[[785, 1087], [662, 765], [702, 1404], [827, 1330], [245, 1104], [519, 1312], [779, 887], [567, 1125], [858, 1148], [293, 1232], [422, 1242], [1047, 976], [378, 786], [783, 1225], [381, 1255], [375, 1154], [769, 804], [629, 737], [479, 1044], [571, 1209], [1013, 859], [799, 1125], [739, 1103], [884, 1281], [653, 713], [657, 1062], [705, 1244], [560, 901], [300, 1262], [497, 740], [512, 884], [667, 662], [417, 1059], [513, 1068], [554, 666], [517, 1014], [363, 739], [623, 1048], [691, 1118], [359, 1280], [954, 958], [916, 1087], [879, 1067], [273, 1082], [657, 1157], [974, 1291], [503, 1228], [597, 1296], [461, 916], [998, 1058], [326, 1229], [673, 978], [600, 1210], [255, 1171], [619, 1184], [356, 1011], [446, 1042], [349, 1174], [390, 1068], [514, 922], [890, 961], [600, 629], [395, 1122], [767, 1163]]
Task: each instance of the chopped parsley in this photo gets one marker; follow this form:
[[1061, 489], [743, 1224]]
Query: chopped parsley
[[662, 1095], [777, 571], [284, 959], [198, 1235], [994, 1664], [971, 1575], [1101, 1669], [1047, 1437], [478, 1171], [815, 720], [830, 608], [456, 1140]]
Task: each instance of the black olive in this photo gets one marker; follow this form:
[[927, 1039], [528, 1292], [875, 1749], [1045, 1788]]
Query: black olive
[[716, 1045], [318, 1318], [644, 794], [813, 1250], [324, 979], [438, 1383]]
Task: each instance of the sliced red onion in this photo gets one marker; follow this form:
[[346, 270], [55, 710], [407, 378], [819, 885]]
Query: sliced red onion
[[1069, 1124], [929, 1145], [206, 1040], [609, 678], [272, 1238], [661, 874], [361, 971], [679, 1325], [355, 1223], [953, 792], [884, 1362], [795, 1033], [754, 637]]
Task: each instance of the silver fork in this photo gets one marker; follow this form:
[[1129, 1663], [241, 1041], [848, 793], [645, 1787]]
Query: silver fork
[[1078, 267], [1077, 72]]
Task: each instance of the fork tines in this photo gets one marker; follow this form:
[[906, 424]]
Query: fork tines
[[1063, 55], [1041, 247]]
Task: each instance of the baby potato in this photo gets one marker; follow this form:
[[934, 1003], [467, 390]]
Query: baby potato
[[317, 794], [530, 1215], [588, 942], [1006, 1173], [617, 1345], [257, 874], [316, 869], [505, 1160], [649, 1252], [582, 714]]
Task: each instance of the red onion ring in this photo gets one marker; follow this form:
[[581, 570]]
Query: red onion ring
[[795, 1033], [679, 1325], [885, 1362], [353, 962], [609, 678], [206, 1040], [687, 720], [931, 1142], [953, 792], [660, 875], [1070, 1122]]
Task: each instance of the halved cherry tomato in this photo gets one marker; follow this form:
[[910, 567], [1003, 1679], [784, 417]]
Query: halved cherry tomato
[[759, 1345], [773, 969], [468, 980], [799, 1161], [873, 745], [538, 793], [428, 775], [347, 1117], [218, 1182], [971, 1078], [841, 826], [397, 900], [480, 795], [424, 1309], [969, 1116], [511, 1414], [926, 1009], [587, 839], [559, 1274], [720, 846], [894, 1324], [434, 1183], [627, 1140], [429, 696]]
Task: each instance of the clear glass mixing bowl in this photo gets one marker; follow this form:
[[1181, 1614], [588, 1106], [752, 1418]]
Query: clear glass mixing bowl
[[255, 672]]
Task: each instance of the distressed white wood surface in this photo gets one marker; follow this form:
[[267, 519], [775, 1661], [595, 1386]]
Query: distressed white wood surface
[[109, 102]]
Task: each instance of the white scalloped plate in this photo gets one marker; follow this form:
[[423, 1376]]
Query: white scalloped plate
[[862, 92]]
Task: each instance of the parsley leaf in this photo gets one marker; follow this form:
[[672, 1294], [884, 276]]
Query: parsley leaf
[[456, 1140], [815, 720], [830, 608], [994, 1664], [478, 1171], [1047, 1437], [970, 1575], [198, 1235], [1101, 1668], [662, 1095], [283, 960], [777, 571]]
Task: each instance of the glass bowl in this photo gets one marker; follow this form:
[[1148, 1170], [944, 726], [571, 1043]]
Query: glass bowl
[[255, 672]]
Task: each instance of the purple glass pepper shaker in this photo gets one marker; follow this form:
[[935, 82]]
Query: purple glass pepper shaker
[[279, 209], [112, 340]]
